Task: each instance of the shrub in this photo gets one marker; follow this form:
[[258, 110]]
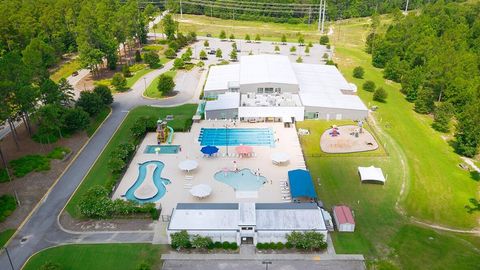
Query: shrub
[[325, 56], [170, 54], [95, 203], [218, 53], [232, 37], [179, 63], [300, 59], [324, 40], [222, 35], [186, 57], [272, 246], [7, 206], [104, 93], [279, 245], [173, 45], [29, 163], [201, 242], [58, 152], [50, 266], [143, 266], [260, 246], [126, 71], [328, 46], [165, 84], [203, 55], [293, 49], [218, 245], [142, 126], [90, 102], [358, 72], [307, 240], [247, 37], [206, 44], [257, 37], [288, 245], [180, 240], [226, 245], [310, 44], [138, 56], [152, 59], [118, 81], [369, 86], [380, 95], [75, 119]]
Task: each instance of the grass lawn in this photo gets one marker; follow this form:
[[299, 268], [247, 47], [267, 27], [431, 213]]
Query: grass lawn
[[66, 70], [98, 257], [203, 25], [100, 174], [152, 90], [137, 75], [96, 121], [5, 235]]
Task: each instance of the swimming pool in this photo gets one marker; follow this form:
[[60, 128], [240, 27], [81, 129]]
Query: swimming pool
[[236, 136], [164, 149], [149, 186], [242, 180]]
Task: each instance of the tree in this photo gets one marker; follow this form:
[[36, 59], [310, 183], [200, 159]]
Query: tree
[[66, 92], [475, 205], [358, 72], [95, 203], [170, 54], [180, 240], [179, 63], [310, 44], [324, 40], [247, 38], [49, 121], [50, 93], [201, 242], [203, 55], [186, 57], [277, 49], [424, 103], [126, 71], [232, 37], [293, 49], [39, 56], [223, 35], [119, 82], [218, 53], [307, 50], [442, 116], [257, 38], [104, 93], [284, 39], [233, 55], [170, 26], [138, 56], [90, 102], [301, 40], [380, 95], [467, 132], [299, 59], [325, 56], [151, 58], [234, 45], [165, 84], [175, 46], [206, 44], [369, 86], [201, 64], [75, 119]]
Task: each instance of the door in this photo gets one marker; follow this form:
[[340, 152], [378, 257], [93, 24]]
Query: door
[[316, 115], [338, 116], [247, 240]]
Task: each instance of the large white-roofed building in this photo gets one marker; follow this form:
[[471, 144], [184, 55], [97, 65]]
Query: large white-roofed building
[[247, 223], [273, 88]]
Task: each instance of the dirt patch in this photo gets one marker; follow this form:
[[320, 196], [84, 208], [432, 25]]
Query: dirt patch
[[32, 187], [91, 225], [88, 82]]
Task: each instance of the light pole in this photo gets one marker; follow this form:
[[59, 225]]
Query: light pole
[[226, 137], [9, 259], [145, 83], [266, 264]]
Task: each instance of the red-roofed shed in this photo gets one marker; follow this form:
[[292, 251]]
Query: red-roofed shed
[[343, 218]]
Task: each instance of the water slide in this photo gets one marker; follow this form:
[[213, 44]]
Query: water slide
[[170, 135]]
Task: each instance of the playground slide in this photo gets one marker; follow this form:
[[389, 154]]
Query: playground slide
[[170, 135]]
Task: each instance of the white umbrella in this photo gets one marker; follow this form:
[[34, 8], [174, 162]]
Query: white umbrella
[[188, 165], [280, 157], [201, 191]]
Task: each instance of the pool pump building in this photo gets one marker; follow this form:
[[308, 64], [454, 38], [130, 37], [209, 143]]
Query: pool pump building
[[270, 87]]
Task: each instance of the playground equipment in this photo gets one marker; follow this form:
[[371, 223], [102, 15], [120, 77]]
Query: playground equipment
[[164, 132], [334, 132]]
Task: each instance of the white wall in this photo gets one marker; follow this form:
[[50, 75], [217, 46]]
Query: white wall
[[285, 112], [249, 88]]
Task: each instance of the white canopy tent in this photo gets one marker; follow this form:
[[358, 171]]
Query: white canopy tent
[[280, 157], [188, 165], [371, 174], [201, 191]]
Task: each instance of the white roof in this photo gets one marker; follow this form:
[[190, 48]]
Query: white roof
[[332, 100], [220, 76], [290, 219], [266, 68], [371, 174], [314, 78], [229, 100], [204, 219], [247, 213]]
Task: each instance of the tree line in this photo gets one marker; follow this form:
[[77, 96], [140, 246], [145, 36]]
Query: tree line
[[435, 56]]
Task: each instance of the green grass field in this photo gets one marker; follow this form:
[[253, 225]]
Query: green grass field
[[98, 257], [98, 120], [99, 173], [66, 70], [137, 75], [152, 90], [5, 235]]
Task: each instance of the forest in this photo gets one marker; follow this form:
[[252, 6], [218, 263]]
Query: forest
[[435, 56]]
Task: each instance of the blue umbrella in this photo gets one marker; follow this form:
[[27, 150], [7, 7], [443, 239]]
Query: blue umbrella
[[209, 150]]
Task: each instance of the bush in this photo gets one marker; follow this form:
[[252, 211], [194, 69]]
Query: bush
[[180, 240], [143, 266], [226, 245], [179, 63], [174, 46], [138, 56], [279, 245], [307, 240], [7, 206], [29, 163], [260, 246], [288, 245], [152, 59], [206, 44], [324, 40], [126, 71], [104, 93], [369, 86], [142, 126], [50, 266], [223, 35], [218, 53], [95, 203], [75, 119], [358, 72], [300, 59], [201, 242], [165, 84], [170, 54], [58, 152], [380, 95], [90, 102], [218, 245], [118, 81]]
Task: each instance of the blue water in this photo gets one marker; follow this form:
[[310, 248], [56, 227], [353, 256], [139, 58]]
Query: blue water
[[164, 149], [243, 180], [159, 182], [236, 136]]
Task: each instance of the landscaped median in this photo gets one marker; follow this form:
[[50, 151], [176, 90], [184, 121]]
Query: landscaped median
[[152, 90], [100, 174]]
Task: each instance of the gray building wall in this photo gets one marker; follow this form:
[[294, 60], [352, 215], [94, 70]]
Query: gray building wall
[[332, 113], [291, 88], [219, 114]]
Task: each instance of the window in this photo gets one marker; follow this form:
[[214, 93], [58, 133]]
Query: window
[[259, 90], [278, 90], [268, 90]]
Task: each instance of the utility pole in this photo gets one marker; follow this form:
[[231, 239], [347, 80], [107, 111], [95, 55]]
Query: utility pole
[[323, 13], [406, 7], [319, 15], [181, 10], [9, 259]]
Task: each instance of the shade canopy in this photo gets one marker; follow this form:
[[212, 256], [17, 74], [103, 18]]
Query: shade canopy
[[371, 174], [209, 150], [201, 191], [244, 149], [301, 184], [280, 157], [188, 165]]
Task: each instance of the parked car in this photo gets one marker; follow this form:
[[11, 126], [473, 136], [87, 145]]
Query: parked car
[[75, 73], [212, 51], [209, 35]]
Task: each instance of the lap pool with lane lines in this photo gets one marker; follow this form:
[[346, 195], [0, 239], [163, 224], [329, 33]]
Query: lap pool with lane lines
[[236, 136]]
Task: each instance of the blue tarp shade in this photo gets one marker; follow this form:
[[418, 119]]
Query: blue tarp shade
[[301, 184], [209, 150]]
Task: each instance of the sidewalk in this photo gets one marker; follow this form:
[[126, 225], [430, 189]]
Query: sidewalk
[[280, 257]]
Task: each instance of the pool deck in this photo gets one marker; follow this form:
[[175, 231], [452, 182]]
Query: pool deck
[[181, 182]]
